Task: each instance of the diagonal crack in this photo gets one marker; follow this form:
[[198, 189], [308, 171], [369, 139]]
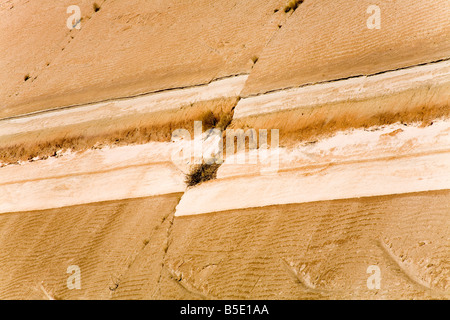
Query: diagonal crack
[[188, 286], [170, 218], [305, 284], [386, 246], [116, 280]]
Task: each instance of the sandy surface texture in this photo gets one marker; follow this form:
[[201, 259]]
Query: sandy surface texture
[[33, 34], [328, 40], [317, 250], [135, 249], [103, 239], [126, 48]]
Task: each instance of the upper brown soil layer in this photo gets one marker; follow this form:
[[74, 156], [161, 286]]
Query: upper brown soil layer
[[132, 47], [328, 40], [125, 48]]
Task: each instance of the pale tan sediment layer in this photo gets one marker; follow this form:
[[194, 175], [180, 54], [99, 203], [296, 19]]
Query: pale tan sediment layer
[[128, 48], [395, 159], [318, 250], [166, 100], [103, 239], [147, 109], [94, 176], [389, 142], [356, 163], [329, 40], [420, 93], [319, 183], [353, 89], [43, 135], [140, 119]]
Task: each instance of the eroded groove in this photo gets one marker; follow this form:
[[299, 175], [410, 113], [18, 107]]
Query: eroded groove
[[306, 285], [386, 247], [177, 277]]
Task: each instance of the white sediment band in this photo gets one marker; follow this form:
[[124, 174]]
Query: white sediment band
[[152, 102], [389, 162], [91, 176], [357, 88]]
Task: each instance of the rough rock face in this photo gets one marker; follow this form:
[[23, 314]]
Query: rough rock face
[[89, 175]]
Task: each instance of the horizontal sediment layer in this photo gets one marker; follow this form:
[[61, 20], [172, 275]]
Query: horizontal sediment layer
[[391, 160], [345, 90], [134, 120], [167, 100], [92, 176]]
